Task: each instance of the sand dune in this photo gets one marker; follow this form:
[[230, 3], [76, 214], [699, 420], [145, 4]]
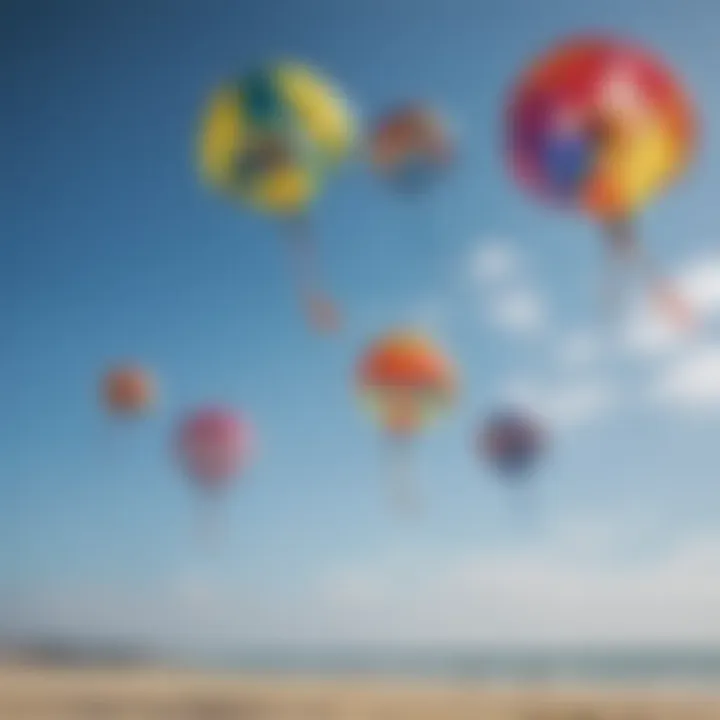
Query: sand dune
[[49, 694]]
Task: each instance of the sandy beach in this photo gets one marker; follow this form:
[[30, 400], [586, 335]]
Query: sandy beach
[[55, 694]]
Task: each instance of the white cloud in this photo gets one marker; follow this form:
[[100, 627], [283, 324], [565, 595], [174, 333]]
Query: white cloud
[[648, 332], [517, 311], [494, 260], [564, 405], [556, 593], [577, 584], [692, 381], [579, 402], [589, 537], [579, 348], [522, 391], [699, 282], [508, 301]]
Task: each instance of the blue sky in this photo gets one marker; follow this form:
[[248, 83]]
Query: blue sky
[[110, 249]]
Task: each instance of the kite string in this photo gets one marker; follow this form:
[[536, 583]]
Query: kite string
[[319, 307], [403, 490], [626, 247], [621, 240], [211, 522], [525, 506]]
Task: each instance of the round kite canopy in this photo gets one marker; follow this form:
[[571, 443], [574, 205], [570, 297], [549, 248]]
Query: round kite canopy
[[128, 390], [407, 381], [214, 444], [411, 147], [600, 125], [512, 441], [272, 137]]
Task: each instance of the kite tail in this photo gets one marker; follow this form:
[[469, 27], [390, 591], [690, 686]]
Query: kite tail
[[319, 309], [211, 531], [524, 506], [628, 250], [402, 487]]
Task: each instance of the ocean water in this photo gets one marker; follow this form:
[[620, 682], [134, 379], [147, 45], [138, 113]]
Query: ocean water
[[688, 668], [679, 667]]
